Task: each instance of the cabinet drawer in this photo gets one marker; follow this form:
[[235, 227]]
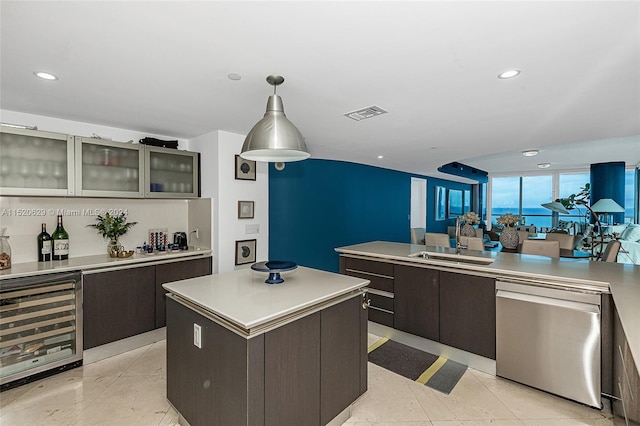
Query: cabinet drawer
[[381, 317], [383, 302], [370, 266], [377, 282]]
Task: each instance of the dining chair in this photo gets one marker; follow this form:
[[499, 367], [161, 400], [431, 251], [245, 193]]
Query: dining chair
[[417, 235], [541, 248], [523, 235], [566, 241], [611, 252], [472, 243], [437, 240]]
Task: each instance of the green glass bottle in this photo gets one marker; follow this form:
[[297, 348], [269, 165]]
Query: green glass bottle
[[60, 242]]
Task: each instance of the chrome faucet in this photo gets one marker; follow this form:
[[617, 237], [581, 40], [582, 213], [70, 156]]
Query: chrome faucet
[[458, 244]]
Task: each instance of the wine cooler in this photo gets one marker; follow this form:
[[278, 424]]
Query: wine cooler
[[40, 326]]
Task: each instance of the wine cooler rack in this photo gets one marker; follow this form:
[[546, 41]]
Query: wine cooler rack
[[40, 324]]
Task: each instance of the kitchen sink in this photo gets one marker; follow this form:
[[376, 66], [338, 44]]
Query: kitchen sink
[[454, 258]]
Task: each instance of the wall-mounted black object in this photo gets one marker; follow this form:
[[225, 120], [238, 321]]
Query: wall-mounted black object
[[462, 170]]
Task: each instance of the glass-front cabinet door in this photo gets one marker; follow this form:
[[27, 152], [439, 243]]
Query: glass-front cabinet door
[[108, 169], [170, 173], [34, 162]]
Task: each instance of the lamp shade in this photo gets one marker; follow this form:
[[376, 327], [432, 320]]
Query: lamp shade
[[607, 205], [274, 138], [556, 207]]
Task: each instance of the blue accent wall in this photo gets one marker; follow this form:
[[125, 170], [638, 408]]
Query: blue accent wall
[[318, 205], [607, 181]]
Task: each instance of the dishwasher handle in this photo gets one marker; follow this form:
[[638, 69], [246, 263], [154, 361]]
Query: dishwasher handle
[[561, 303]]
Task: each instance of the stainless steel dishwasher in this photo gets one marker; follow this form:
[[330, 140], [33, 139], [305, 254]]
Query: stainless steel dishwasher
[[549, 338]]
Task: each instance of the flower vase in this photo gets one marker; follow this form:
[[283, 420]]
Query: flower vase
[[113, 248], [468, 230], [509, 237]]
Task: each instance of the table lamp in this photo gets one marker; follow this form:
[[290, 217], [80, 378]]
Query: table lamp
[[606, 206]]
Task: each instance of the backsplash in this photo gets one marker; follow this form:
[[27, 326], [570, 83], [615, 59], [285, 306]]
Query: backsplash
[[23, 216]]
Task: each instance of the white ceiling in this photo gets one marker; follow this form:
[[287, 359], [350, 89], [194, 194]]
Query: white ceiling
[[161, 67]]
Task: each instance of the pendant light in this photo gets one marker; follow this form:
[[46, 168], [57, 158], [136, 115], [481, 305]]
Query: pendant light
[[274, 138]]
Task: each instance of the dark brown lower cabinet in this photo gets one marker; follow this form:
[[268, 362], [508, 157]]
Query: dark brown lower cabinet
[[123, 303], [302, 373], [626, 376], [118, 304], [175, 271], [417, 301], [468, 313]]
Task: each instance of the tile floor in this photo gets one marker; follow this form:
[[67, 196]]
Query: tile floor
[[129, 389]]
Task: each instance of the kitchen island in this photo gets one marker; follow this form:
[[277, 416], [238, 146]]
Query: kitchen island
[[243, 352]]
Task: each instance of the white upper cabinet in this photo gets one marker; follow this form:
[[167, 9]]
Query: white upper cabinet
[[109, 169], [170, 173], [34, 162]]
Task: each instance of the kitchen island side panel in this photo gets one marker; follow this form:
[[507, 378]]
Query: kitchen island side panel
[[218, 384], [292, 373]]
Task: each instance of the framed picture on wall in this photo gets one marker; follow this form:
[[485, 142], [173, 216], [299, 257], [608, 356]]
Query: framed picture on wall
[[455, 202], [245, 169], [441, 203], [245, 209], [245, 252]]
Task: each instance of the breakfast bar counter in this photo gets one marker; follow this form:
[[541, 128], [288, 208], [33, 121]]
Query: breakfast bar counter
[[621, 280]]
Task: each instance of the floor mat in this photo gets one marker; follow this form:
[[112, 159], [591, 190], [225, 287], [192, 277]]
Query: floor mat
[[437, 372]]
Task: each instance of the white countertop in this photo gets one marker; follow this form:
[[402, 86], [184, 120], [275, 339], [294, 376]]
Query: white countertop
[[87, 263], [621, 280], [243, 298]]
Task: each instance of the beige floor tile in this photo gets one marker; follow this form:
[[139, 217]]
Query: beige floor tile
[[170, 419], [390, 424], [471, 400], [114, 366], [55, 400], [510, 422], [130, 400], [428, 399], [528, 403], [388, 399], [151, 362], [575, 422], [8, 396]]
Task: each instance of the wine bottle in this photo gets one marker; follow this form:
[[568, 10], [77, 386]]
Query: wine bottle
[[44, 245], [60, 242]]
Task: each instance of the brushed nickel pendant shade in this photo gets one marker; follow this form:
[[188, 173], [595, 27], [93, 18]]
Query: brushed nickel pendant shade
[[274, 138]]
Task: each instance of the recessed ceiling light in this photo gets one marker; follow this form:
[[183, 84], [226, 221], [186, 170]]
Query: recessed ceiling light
[[45, 75], [544, 165], [380, 157], [508, 74], [530, 152], [235, 77]]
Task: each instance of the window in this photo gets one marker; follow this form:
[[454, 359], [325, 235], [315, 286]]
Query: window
[[523, 196]]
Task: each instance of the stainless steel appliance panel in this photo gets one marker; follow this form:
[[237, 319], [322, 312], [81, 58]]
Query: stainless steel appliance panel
[[549, 339]]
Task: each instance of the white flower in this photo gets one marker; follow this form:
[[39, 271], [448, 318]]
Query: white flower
[[471, 218], [508, 219]]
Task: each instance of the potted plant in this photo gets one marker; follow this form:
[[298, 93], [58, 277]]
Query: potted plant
[[112, 228]]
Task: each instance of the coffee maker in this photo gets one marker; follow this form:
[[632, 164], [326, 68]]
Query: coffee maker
[[180, 238]]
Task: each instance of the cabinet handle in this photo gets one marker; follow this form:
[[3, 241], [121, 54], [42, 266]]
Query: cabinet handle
[[366, 302]]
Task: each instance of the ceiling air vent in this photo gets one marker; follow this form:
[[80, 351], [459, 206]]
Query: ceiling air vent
[[364, 113]]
